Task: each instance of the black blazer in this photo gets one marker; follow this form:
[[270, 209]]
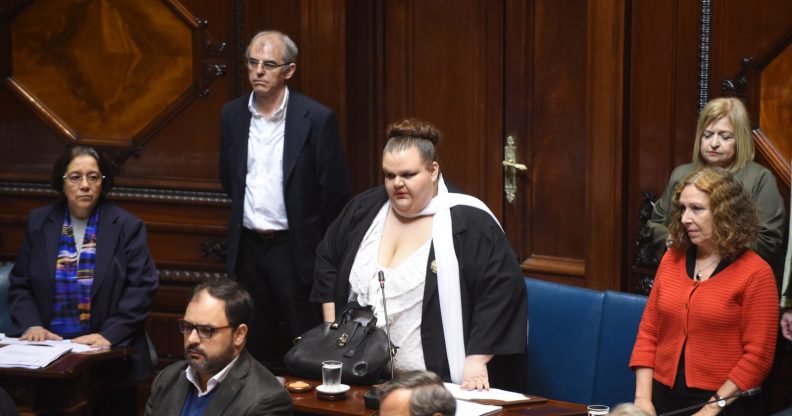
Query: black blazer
[[125, 279], [315, 175], [248, 389]]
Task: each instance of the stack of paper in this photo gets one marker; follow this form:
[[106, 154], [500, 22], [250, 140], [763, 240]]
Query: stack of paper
[[491, 396], [75, 347], [465, 408], [31, 355]]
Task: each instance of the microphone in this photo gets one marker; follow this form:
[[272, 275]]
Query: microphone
[[371, 399], [381, 278], [750, 392]]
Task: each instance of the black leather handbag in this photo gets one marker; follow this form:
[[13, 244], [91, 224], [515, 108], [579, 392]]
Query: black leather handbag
[[363, 350]]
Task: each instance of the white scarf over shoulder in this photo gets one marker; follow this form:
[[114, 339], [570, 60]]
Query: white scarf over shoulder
[[448, 285]]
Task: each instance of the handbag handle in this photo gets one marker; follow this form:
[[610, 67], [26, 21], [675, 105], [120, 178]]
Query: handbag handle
[[346, 315]]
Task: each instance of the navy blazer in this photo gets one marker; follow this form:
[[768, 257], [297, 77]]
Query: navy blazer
[[125, 279], [316, 183]]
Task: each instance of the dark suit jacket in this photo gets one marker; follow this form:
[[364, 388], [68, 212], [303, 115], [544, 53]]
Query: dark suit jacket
[[315, 174], [125, 278], [248, 389]]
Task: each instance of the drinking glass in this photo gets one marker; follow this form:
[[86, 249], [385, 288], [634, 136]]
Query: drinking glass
[[331, 374], [597, 410]]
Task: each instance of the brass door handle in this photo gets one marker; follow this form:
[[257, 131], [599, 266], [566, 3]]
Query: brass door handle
[[515, 165], [511, 166]]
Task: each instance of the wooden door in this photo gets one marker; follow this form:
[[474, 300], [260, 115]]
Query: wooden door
[[547, 73], [563, 78]]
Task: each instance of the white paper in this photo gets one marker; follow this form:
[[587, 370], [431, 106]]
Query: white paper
[[491, 394], [31, 355], [465, 408], [75, 347]]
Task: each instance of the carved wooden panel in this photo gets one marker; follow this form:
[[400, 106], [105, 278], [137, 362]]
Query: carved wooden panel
[[775, 100]]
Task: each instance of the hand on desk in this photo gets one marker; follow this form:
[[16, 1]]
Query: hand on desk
[[93, 340], [474, 374], [37, 333]]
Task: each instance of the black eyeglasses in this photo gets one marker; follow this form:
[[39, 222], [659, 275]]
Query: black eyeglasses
[[268, 65], [204, 331], [76, 178]]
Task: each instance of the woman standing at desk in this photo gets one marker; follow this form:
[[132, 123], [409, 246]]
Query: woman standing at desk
[[455, 294], [84, 270]]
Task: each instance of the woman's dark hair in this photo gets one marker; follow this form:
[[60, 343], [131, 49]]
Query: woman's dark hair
[[410, 132], [734, 218], [239, 304], [72, 152]]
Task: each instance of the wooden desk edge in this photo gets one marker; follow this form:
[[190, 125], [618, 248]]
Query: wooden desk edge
[[68, 364]]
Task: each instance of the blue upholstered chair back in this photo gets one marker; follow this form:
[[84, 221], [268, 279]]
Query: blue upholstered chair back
[[5, 317], [615, 381], [563, 333], [579, 343]]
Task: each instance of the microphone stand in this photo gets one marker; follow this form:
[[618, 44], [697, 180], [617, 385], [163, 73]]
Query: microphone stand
[[746, 393], [381, 278], [371, 398]]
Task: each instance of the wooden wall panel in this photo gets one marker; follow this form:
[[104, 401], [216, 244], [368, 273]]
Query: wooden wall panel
[[563, 94], [442, 64], [664, 82]]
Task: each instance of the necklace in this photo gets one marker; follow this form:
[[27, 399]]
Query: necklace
[[698, 276]]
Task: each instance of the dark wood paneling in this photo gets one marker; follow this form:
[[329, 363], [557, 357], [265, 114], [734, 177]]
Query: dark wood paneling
[[443, 64], [563, 94]]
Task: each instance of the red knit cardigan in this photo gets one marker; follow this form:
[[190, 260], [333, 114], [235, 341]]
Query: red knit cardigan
[[726, 324]]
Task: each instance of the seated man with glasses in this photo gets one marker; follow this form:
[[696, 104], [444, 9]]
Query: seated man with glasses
[[219, 377]]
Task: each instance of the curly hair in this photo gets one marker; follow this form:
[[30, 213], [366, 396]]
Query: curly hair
[[734, 218], [408, 133]]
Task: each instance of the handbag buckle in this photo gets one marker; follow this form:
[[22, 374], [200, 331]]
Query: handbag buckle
[[342, 340]]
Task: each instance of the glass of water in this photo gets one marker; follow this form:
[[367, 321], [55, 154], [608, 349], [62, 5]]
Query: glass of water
[[331, 374], [598, 410]]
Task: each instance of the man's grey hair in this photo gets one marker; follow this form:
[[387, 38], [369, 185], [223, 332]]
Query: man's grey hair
[[290, 50], [429, 395]]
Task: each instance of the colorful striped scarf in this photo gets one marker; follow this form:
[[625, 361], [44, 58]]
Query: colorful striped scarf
[[71, 311]]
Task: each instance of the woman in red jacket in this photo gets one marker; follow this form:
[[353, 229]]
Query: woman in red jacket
[[708, 330]]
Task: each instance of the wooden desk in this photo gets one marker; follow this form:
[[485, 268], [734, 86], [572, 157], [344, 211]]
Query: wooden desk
[[353, 405], [65, 387]]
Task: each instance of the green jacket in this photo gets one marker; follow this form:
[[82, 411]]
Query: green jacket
[[760, 184]]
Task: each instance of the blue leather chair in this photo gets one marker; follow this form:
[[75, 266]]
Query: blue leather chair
[[580, 342], [5, 317], [615, 381], [563, 337]]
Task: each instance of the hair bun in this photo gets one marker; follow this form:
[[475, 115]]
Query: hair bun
[[413, 128]]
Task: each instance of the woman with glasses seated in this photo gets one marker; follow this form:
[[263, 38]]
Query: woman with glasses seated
[[84, 271]]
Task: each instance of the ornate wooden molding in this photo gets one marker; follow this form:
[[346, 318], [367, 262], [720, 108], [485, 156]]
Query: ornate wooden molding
[[125, 88], [738, 85], [705, 31], [774, 158], [187, 276], [148, 194], [646, 261], [240, 14]]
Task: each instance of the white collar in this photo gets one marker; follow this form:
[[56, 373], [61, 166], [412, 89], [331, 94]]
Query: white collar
[[278, 115], [213, 382]]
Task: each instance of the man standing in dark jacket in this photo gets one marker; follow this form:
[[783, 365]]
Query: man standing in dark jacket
[[282, 164]]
